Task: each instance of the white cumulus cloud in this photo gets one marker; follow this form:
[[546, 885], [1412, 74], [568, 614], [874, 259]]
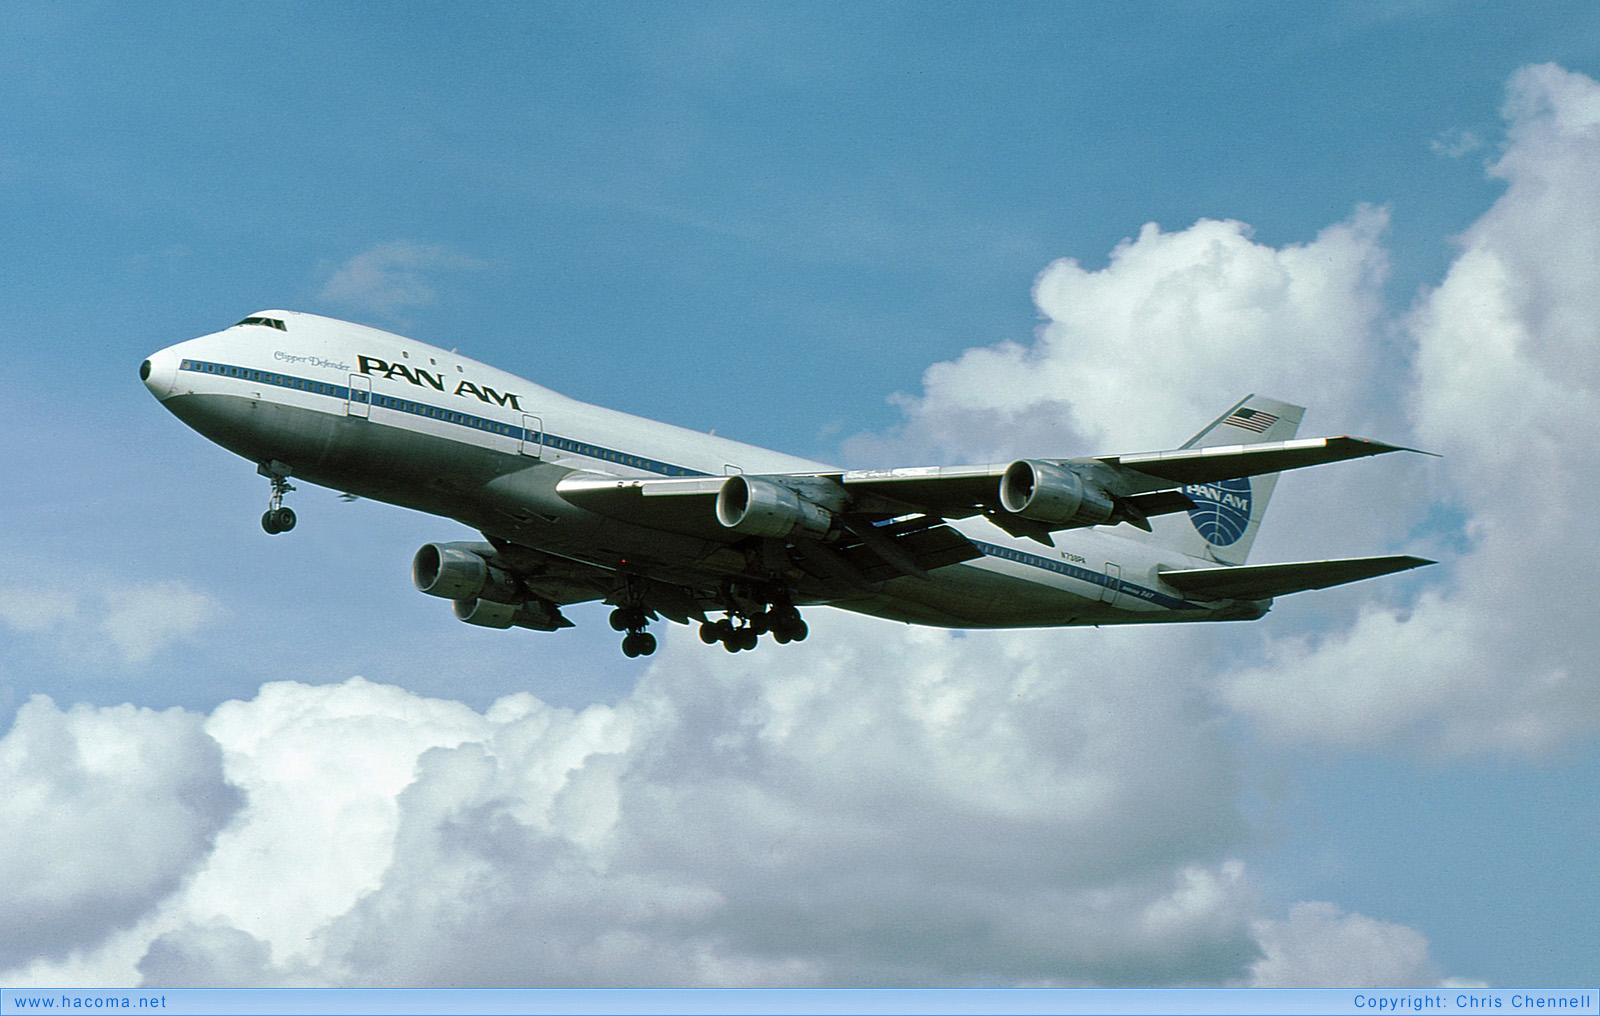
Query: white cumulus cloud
[[1320, 946], [788, 823], [882, 805], [1507, 387], [105, 812], [1149, 349]]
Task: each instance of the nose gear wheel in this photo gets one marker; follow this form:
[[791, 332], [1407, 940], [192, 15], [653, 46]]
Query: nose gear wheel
[[278, 518]]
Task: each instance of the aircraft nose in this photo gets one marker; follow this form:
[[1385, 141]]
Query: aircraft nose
[[159, 372]]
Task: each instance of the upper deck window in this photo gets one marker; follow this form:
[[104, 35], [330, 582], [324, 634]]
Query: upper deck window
[[270, 322]]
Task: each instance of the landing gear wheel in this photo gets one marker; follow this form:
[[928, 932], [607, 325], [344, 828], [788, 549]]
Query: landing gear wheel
[[638, 643], [787, 626], [628, 619], [278, 520], [736, 640], [743, 625], [632, 616]]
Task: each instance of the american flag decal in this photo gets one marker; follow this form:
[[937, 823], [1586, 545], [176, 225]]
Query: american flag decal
[[1251, 419]]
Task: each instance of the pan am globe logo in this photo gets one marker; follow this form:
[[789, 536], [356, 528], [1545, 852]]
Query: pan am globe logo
[[1222, 510]]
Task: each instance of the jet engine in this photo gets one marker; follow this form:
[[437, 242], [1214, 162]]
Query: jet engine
[[486, 613], [800, 506], [540, 615], [1054, 495], [460, 571]]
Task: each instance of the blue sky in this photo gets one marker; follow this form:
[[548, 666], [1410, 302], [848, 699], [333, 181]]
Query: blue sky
[[842, 231]]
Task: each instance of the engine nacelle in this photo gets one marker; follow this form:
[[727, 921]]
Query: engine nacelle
[[1054, 495], [540, 615], [459, 572], [762, 507], [486, 613]]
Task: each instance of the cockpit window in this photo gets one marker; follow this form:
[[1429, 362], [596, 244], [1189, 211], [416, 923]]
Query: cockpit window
[[270, 322]]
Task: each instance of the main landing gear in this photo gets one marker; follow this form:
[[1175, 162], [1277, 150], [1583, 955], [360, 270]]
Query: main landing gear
[[278, 519], [783, 621], [746, 620], [633, 619]]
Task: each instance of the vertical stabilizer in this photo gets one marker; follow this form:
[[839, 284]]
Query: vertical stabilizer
[[1227, 515]]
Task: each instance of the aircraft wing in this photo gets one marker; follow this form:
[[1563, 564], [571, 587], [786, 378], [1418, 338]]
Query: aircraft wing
[[955, 488], [875, 544], [1117, 488], [1264, 581], [1227, 462]]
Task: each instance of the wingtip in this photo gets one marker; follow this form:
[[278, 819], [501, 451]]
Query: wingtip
[[1384, 447]]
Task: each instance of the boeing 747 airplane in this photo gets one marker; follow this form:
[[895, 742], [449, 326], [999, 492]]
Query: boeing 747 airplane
[[579, 503]]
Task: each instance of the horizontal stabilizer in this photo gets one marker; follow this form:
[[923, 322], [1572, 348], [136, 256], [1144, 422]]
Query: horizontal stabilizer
[[1264, 581]]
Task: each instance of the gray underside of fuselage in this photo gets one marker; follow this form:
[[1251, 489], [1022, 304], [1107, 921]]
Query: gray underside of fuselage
[[511, 495], [500, 493]]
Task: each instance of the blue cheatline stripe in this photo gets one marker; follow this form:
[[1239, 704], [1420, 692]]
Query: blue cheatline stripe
[[1089, 575], [344, 394], [450, 416]]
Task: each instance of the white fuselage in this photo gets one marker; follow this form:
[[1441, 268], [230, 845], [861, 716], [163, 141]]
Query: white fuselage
[[380, 416]]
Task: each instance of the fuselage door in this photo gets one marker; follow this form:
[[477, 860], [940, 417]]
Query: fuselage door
[[532, 436], [1113, 586], [360, 401]]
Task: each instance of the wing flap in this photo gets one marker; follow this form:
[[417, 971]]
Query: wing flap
[[1264, 581], [929, 548], [950, 491]]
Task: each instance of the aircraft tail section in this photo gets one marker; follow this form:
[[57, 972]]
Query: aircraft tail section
[[1227, 513]]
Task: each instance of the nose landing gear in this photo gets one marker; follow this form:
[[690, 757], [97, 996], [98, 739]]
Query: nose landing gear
[[277, 519]]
